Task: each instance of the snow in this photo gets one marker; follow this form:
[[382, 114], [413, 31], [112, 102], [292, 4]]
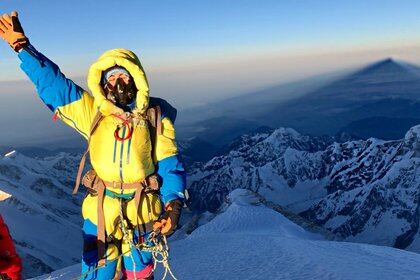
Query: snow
[[4, 195], [43, 217], [10, 154], [250, 241], [381, 231], [362, 191]]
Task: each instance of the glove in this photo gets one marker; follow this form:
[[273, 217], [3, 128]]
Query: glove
[[169, 221], [11, 31], [3, 276]]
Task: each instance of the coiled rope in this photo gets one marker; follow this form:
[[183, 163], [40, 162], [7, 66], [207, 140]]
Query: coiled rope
[[159, 250]]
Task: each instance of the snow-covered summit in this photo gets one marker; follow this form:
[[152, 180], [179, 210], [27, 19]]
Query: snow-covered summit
[[412, 140], [247, 240], [246, 214]]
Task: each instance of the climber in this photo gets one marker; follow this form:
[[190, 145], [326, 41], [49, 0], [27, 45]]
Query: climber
[[136, 184], [10, 263]]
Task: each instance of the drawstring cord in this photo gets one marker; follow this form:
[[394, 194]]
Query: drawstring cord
[[125, 123]]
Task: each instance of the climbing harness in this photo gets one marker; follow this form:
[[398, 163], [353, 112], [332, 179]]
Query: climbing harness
[[159, 249]]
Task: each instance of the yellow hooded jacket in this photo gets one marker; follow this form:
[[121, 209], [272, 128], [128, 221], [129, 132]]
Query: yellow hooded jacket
[[115, 161]]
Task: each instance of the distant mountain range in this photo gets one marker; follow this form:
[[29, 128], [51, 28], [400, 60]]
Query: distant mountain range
[[43, 217], [362, 191], [380, 100]]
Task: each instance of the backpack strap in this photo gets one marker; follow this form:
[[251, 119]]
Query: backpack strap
[[97, 119], [154, 117], [101, 225]]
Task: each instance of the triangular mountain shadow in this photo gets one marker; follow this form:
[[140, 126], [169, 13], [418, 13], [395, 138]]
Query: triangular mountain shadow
[[387, 88], [386, 66], [399, 79]]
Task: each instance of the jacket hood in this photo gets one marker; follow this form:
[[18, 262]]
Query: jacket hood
[[131, 63]]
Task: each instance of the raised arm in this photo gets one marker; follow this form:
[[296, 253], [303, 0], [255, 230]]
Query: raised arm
[[61, 95]]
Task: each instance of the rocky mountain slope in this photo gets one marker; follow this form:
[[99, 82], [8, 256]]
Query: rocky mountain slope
[[362, 191]]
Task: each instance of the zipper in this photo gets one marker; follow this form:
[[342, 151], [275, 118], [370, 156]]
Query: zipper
[[74, 124], [121, 155], [128, 151], [115, 150]]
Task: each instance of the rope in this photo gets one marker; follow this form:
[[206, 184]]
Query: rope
[[126, 237], [125, 123], [159, 250], [162, 254]]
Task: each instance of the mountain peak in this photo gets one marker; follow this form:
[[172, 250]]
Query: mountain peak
[[387, 60], [382, 73], [387, 65]]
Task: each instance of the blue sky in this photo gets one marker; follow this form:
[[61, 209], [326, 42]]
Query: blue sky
[[166, 32], [163, 29], [185, 44], [196, 52]]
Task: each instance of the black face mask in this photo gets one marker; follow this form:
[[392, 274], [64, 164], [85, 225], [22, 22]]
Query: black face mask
[[121, 94]]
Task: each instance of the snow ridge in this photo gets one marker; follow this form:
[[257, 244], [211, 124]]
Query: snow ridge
[[361, 191], [247, 240]]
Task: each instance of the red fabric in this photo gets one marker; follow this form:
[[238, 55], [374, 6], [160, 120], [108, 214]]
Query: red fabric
[[145, 273], [55, 117], [10, 263]]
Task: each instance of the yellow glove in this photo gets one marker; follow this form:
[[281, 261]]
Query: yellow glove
[[11, 31]]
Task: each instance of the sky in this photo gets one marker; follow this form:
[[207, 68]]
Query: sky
[[195, 52]]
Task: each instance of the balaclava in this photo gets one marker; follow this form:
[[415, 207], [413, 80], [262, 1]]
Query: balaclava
[[121, 94]]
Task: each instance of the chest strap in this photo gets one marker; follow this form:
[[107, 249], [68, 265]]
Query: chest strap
[[125, 196]]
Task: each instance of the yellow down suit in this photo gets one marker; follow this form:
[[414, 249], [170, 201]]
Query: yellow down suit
[[117, 161]]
